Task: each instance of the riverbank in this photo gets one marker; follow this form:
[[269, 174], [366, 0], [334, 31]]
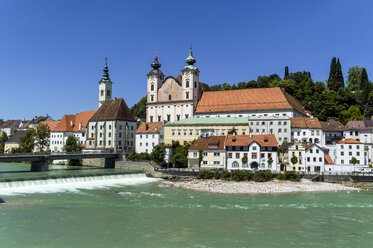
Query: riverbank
[[275, 186]]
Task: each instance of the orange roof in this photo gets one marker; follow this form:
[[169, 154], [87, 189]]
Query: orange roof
[[74, 123], [348, 141], [150, 127], [51, 124], [212, 143], [245, 140], [328, 159], [305, 122], [247, 99]]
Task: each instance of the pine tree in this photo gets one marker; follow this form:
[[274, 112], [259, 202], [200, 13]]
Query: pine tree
[[286, 76], [365, 86], [335, 81], [339, 75]]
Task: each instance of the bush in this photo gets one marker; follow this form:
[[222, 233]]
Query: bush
[[225, 175], [263, 176], [205, 174], [217, 174], [289, 175], [241, 175]]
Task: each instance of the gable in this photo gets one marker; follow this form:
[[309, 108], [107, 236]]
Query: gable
[[170, 87]]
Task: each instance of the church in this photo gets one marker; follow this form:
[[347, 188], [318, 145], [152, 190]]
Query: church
[[172, 99]]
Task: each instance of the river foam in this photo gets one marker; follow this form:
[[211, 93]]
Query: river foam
[[72, 184]]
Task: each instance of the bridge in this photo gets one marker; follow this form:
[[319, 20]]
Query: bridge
[[40, 161]]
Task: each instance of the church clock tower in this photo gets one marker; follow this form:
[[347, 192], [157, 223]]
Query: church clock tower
[[105, 86], [155, 80], [190, 80]]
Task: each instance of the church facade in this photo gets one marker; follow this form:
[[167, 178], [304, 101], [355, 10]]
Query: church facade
[[172, 99]]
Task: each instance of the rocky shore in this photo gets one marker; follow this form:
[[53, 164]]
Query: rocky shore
[[275, 186]]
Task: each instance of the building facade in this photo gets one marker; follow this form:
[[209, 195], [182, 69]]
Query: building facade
[[307, 130], [148, 135], [213, 153], [172, 99]]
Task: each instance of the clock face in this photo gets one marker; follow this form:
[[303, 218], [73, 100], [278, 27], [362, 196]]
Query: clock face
[[187, 74]]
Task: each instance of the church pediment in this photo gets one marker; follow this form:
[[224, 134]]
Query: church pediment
[[170, 90]]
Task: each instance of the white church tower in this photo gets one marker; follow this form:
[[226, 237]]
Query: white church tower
[[190, 80], [155, 80], [105, 86]]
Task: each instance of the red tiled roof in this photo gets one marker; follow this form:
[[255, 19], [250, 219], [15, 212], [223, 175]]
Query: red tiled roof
[[51, 124], [349, 141], [247, 99], [8, 124], [114, 109], [328, 159], [305, 122], [245, 140], [71, 123], [203, 144], [150, 127]]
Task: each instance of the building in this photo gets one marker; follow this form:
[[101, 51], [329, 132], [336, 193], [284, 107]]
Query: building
[[298, 150], [269, 109], [314, 158], [37, 119], [13, 142], [148, 135], [112, 127], [75, 125], [283, 157], [213, 153], [172, 99], [306, 129], [332, 132], [346, 149], [10, 126], [187, 130], [257, 148], [105, 86]]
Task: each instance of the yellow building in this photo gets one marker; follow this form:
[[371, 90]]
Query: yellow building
[[188, 130], [13, 142], [212, 151]]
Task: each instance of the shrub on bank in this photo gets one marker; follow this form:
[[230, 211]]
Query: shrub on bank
[[263, 176], [205, 174], [241, 175], [217, 174], [289, 175], [225, 175]]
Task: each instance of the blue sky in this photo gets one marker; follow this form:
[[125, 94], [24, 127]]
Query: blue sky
[[52, 52]]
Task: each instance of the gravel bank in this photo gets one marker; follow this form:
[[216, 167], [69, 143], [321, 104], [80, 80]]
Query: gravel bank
[[229, 187]]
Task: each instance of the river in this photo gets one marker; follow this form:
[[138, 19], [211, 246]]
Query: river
[[136, 211]]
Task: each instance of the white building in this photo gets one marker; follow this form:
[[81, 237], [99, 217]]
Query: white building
[[10, 126], [314, 159], [148, 135], [258, 149], [279, 125], [332, 133], [75, 125], [172, 99], [346, 149], [307, 130], [112, 127]]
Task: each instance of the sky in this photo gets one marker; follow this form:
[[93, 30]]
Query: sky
[[52, 53]]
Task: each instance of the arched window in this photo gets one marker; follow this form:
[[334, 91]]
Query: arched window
[[108, 92], [102, 92], [152, 98], [169, 97], [187, 84], [317, 140], [187, 95], [152, 87], [235, 164], [195, 84]]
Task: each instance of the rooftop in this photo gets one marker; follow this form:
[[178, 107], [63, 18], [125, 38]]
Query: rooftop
[[349, 141], [332, 126], [150, 127], [305, 122], [73, 123], [246, 140], [211, 121], [8, 124], [16, 137], [248, 99], [212, 143], [114, 109]]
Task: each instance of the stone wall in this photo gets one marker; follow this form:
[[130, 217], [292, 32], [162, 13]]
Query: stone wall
[[93, 162]]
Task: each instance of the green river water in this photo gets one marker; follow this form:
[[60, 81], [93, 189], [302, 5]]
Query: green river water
[[136, 211]]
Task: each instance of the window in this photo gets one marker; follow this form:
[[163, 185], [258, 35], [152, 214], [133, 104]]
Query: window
[[187, 83], [159, 118], [169, 97], [263, 123], [223, 132], [317, 150], [229, 155], [151, 118], [197, 132], [350, 153], [357, 147], [311, 151], [152, 88], [187, 95], [152, 98], [342, 161], [308, 159], [146, 144], [304, 133], [108, 92], [168, 117], [109, 135], [279, 130], [285, 123], [235, 164], [120, 127], [251, 123], [320, 159], [100, 135], [109, 142], [314, 159], [185, 132], [186, 116], [195, 84], [271, 123], [342, 153], [216, 154], [173, 132], [194, 154], [279, 123], [237, 155], [350, 147], [190, 132], [254, 148], [243, 131], [102, 92], [263, 130], [179, 132], [204, 162], [357, 153], [205, 154], [271, 131], [216, 162], [254, 155]]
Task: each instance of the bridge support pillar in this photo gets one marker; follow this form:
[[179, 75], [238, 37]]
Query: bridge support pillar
[[109, 163], [39, 166]]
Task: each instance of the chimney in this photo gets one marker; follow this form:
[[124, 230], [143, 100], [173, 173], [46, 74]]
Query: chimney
[[266, 139]]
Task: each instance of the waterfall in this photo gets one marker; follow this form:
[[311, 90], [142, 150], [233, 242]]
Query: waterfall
[[53, 185]]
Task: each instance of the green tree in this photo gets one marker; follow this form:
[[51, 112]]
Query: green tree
[[335, 81], [158, 153], [232, 131], [42, 137], [353, 161], [294, 160], [270, 161], [200, 158], [27, 143], [180, 157], [3, 139], [368, 113], [244, 160], [353, 113], [365, 87], [286, 75], [353, 78], [139, 109], [72, 144]]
